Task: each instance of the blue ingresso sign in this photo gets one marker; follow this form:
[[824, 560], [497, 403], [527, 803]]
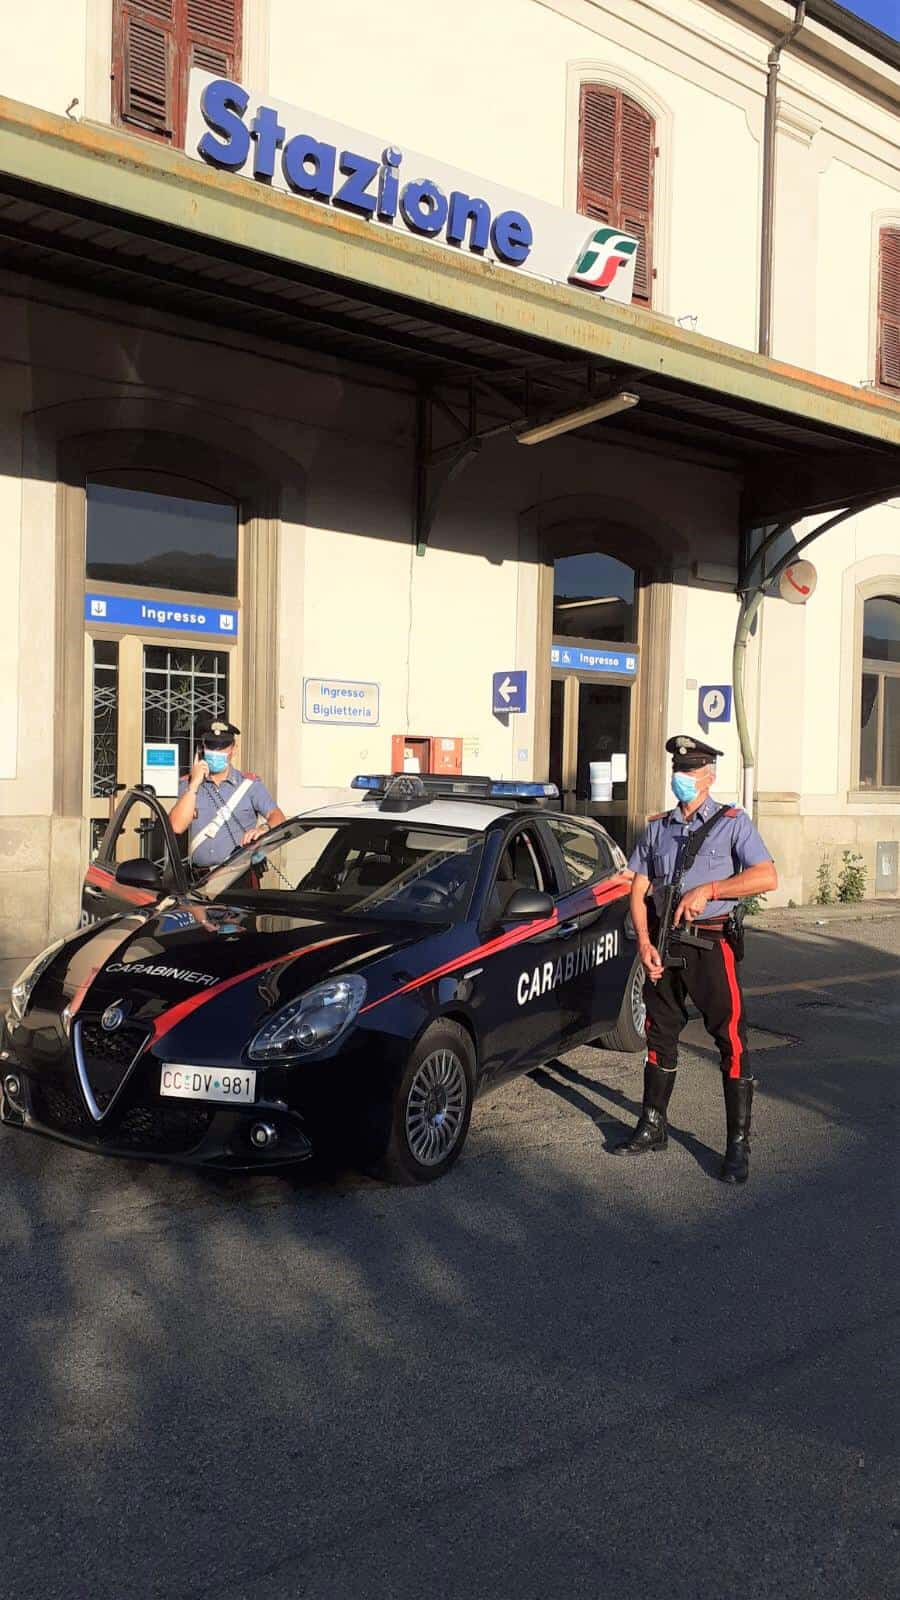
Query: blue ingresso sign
[[578, 659], [179, 616]]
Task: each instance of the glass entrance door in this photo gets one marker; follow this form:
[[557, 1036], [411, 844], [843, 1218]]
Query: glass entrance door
[[142, 693], [590, 727], [596, 664], [161, 567]]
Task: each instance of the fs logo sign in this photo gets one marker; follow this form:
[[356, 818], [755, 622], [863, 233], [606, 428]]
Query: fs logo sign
[[607, 263]]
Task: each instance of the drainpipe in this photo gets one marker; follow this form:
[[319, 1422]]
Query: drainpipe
[[768, 185]]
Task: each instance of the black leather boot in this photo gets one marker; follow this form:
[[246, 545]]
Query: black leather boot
[[738, 1104], [651, 1132]]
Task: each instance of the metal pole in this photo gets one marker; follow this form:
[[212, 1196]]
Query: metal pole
[[750, 605], [767, 233]]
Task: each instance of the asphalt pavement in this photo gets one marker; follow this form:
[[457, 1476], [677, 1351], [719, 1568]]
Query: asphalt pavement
[[555, 1373]]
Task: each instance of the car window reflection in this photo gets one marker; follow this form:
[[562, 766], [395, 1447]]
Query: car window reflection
[[370, 867]]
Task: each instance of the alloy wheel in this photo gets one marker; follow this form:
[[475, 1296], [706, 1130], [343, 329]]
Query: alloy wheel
[[436, 1107]]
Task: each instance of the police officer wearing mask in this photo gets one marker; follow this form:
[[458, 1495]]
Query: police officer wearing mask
[[223, 807], [731, 863]]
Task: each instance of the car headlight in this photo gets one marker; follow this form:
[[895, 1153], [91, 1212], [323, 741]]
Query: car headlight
[[318, 1018], [23, 988]]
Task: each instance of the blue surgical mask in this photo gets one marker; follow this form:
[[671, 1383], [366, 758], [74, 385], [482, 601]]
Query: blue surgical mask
[[216, 760], [684, 787]]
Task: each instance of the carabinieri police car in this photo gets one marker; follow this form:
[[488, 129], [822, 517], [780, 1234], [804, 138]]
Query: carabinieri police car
[[389, 959]]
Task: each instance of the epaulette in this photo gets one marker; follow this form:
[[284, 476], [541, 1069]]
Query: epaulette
[[253, 775], [732, 811], [658, 816]]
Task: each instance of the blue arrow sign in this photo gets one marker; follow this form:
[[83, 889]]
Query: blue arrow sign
[[509, 692]]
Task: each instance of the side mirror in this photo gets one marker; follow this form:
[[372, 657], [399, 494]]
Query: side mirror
[[528, 905], [140, 874]]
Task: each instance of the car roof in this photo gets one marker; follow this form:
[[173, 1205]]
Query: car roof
[[473, 816]]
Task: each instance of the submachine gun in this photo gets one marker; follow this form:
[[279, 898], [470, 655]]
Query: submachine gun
[[666, 934]]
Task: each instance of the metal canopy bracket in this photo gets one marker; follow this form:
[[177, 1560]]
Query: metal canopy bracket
[[753, 590], [435, 470]]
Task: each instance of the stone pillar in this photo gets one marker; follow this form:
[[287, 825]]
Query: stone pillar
[[650, 712]]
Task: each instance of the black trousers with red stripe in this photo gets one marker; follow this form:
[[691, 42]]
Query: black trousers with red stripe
[[710, 979]]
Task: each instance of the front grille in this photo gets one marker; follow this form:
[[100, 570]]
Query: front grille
[[107, 1058], [57, 1109], [168, 1130], [156, 1129], [121, 1046]]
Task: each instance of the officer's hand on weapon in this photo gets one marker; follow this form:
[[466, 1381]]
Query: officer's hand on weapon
[[651, 962], [692, 904]]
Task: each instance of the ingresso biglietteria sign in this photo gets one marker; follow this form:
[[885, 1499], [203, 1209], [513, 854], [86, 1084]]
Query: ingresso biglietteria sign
[[303, 153]]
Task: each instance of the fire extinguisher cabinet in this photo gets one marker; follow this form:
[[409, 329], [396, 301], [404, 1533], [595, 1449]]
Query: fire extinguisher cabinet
[[426, 753]]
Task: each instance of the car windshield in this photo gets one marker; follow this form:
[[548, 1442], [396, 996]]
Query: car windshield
[[370, 867]]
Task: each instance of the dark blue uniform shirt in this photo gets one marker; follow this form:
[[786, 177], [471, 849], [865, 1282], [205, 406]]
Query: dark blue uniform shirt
[[731, 846]]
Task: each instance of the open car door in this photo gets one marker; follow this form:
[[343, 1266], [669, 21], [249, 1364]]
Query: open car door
[[139, 831]]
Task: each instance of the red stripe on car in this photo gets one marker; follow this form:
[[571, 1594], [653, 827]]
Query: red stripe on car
[[601, 894], [99, 878], [171, 1018]]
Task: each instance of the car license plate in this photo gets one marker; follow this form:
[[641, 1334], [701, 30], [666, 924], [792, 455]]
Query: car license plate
[[203, 1083]]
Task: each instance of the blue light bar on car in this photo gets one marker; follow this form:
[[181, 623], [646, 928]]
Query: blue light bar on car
[[509, 790], [450, 787]]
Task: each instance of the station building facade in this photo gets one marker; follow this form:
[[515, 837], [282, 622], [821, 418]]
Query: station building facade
[[264, 458]]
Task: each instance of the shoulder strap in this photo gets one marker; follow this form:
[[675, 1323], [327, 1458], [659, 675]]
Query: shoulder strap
[[696, 839], [225, 810]]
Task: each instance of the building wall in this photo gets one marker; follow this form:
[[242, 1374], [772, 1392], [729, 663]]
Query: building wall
[[493, 89], [354, 599]]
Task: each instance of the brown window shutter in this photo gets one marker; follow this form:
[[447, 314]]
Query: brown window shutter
[[597, 151], [889, 307], [213, 32], [636, 189], [616, 153], [155, 44], [144, 52]]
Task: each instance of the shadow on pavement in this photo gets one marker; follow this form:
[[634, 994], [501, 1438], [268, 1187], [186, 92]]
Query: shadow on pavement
[[615, 1130], [546, 1375]]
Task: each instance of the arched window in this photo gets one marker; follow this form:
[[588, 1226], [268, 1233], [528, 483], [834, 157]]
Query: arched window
[[616, 157], [879, 735], [593, 598]]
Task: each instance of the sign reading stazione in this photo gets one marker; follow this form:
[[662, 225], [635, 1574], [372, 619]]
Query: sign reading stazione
[[303, 153]]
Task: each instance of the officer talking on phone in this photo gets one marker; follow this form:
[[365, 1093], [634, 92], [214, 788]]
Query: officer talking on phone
[[223, 807], [729, 862]]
